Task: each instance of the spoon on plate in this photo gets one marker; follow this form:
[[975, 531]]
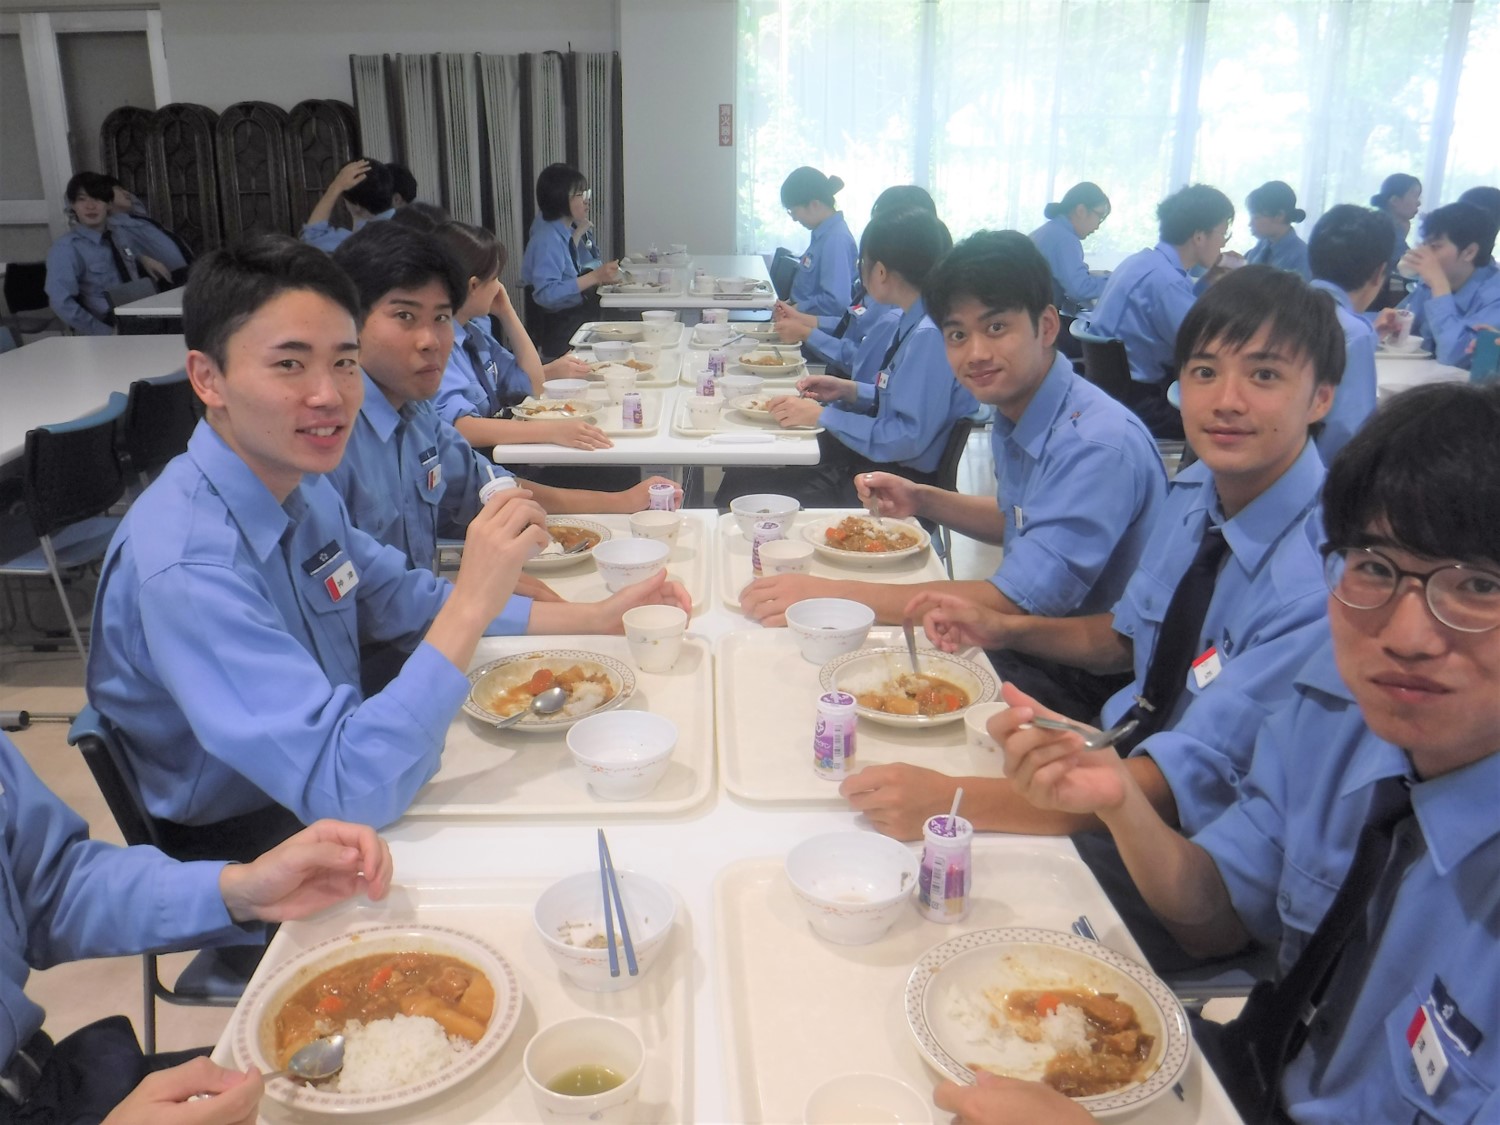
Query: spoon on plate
[[910, 629], [1092, 739], [543, 705], [322, 1058]]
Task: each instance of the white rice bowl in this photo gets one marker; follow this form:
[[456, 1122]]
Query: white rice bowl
[[391, 1053]]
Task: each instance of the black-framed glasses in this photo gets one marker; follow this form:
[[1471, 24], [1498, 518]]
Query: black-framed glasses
[[1462, 597], [1098, 214]]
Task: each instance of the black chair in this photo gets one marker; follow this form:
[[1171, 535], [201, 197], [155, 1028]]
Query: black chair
[[160, 415], [7, 341], [207, 981], [945, 476], [127, 291], [783, 272], [26, 298], [1106, 365]]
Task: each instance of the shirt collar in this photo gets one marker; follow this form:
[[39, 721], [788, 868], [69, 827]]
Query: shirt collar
[[1464, 296], [828, 226], [1255, 530], [911, 318], [1340, 297], [460, 332], [261, 520], [90, 234], [1037, 420], [1169, 252], [378, 411]]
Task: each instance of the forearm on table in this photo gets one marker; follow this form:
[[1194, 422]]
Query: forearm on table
[[1090, 643], [561, 618], [482, 433], [978, 517], [889, 600], [571, 501]]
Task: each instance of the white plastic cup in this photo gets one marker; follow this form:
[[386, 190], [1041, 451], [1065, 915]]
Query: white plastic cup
[[659, 316], [703, 412], [617, 384], [646, 353], [584, 1041], [785, 556], [494, 486], [654, 523], [1405, 318], [714, 316], [655, 634], [986, 756]]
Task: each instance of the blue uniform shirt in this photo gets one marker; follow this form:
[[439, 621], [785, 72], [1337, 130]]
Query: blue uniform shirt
[[864, 313], [1288, 253], [825, 277], [227, 631], [1072, 284], [905, 421], [1144, 302], [1448, 324], [80, 269], [549, 265], [1268, 613], [1080, 483], [1283, 851], [1354, 400], [465, 392], [327, 237]]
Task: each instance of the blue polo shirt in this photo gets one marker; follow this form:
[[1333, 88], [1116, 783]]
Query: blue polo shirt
[[1284, 849], [1288, 253], [1448, 324], [1072, 284], [1268, 613], [824, 282], [1355, 397], [1080, 483], [1144, 303]]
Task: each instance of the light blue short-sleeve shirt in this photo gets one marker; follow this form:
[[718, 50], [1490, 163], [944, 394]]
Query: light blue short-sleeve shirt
[[1288, 253], [1144, 303], [1448, 324], [1072, 284], [1355, 397], [824, 282]]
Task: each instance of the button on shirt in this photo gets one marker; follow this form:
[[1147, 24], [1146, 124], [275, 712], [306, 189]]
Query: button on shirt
[[81, 268], [1072, 284], [906, 421], [1283, 850], [824, 282], [67, 897], [467, 393], [549, 266], [1288, 253], [1144, 302], [1080, 484], [232, 671], [1354, 398], [1447, 324], [1267, 615], [327, 237]]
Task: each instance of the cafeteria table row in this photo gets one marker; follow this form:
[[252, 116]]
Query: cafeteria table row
[[745, 1010], [679, 293]]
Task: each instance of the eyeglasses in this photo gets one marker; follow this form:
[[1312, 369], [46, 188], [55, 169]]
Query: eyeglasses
[[1461, 597], [1100, 215], [586, 195]]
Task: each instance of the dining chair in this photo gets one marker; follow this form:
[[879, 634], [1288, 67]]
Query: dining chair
[[1106, 365], [7, 341], [26, 297], [783, 272], [945, 476], [70, 478], [160, 415]]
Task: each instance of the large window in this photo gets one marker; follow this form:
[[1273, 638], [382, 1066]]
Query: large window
[[998, 106]]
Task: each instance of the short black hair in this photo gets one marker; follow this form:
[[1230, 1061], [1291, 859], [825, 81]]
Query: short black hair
[[422, 216], [95, 185], [381, 257], [804, 185], [1348, 244], [373, 193], [1395, 185], [403, 183], [1423, 465], [1085, 194], [555, 187], [1462, 224], [1001, 269], [1486, 198], [229, 285], [1298, 317], [478, 253], [907, 241], [1195, 208], [903, 197], [1275, 197]]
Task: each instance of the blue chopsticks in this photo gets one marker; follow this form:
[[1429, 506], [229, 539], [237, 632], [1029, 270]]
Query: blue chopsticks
[[612, 906]]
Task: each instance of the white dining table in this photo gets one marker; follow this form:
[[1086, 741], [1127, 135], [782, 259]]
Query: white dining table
[[158, 304], [684, 296], [59, 378], [691, 850], [1394, 374]]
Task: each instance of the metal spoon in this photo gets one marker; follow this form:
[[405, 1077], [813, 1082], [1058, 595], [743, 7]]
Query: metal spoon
[[910, 629], [1092, 739], [543, 704], [322, 1058], [577, 548]]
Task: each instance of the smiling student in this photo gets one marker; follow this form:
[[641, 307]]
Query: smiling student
[[1273, 209], [825, 277], [1460, 287]]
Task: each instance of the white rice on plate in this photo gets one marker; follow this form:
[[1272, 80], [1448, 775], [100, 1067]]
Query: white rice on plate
[[993, 1042], [391, 1053]]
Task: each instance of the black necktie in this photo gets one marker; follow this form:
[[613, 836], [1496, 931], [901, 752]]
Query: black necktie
[[573, 253], [1273, 1025], [1178, 642], [471, 349], [121, 265]]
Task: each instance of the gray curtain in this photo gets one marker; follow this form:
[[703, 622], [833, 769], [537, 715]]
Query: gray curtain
[[460, 136], [504, 203], [373, 102], [419, 105], [596, 96]]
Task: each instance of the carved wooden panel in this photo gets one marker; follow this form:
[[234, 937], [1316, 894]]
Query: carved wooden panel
[[184, 193], [321, 137], [125, 142], [251, 156]]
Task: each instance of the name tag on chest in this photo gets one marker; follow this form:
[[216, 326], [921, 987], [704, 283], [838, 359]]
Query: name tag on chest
[[330, 565], [883, 380], [432, 467], [1207, 667]]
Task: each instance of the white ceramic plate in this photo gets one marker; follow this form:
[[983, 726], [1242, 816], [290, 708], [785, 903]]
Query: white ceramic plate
[[1402, 353], [558, 562], [265, 997], [752, 406], [627, 330], [501, 675], [778, 363], [554, 410], [1021, 957], [644, 372], [871, 669], [816, 534]]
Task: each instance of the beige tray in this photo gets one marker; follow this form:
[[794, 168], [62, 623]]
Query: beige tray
[[733, 572], [660, 1008], [731, 422], [795, 1009], [607, 414], [765, 704], [584, 337], [500, 773], [580, 580]]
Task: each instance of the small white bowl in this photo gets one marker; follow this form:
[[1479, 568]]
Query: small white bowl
[[737, 386], [566, 388], [752, 509], [734, 284], [612, 351], [628, 561], [646, 353], [657, 331], [828, 627], [584, 1041], [711, 333], [574, 907], [866, 1097], [986, 756], [654, 523], [852, 885], [659, 316], [785, 556], [624, 757]]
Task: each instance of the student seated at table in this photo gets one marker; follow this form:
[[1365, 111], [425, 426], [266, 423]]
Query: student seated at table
[[403, 186], [1364, 839], [68, 898], [1273, 209], [898, 416], [826, 272], [236, 593], [1078, 479], [1081, 211], [1460, 286], [160, 242], [562, 266], [1399, 199], [365, 186], [1148, 295], [102, 250], [1347, 255]]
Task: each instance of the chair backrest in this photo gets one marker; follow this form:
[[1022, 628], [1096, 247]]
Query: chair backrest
[[783, 272], [946, 473], [160, 415], [71, 471], [100, 745], [7, 341], [1106, 365], [128, 291], [25, 286]]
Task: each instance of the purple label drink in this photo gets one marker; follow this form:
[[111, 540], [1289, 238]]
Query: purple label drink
[[663, 497], [631, 415], [834, 736], [943, 884], [763, 532]]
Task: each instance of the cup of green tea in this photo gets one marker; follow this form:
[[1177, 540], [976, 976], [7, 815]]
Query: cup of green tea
[[587, 1068]]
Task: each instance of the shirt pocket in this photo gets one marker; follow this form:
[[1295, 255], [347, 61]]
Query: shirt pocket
[[1302, 899], [1146, 600], [334, 622], [1461, 1094]]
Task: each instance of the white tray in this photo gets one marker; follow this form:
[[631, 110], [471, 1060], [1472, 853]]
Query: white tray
[[665, 374], [608, 414], [766, 701], [643, 289], [660, 1008], [585, 334], [502, 773], [579, 580], [733, 559], [731, 421], [795, 1009]]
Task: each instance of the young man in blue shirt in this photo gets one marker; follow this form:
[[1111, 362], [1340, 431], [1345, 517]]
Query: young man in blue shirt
[[1260, 358], [235, 596], [1079, 481], [1391, 738], [366, 187], [1460, 287]]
